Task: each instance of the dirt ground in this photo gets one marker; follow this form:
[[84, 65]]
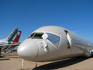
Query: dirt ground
[[12, 61]]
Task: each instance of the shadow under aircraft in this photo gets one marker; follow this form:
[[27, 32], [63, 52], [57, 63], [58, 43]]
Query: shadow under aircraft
[[60, 64]]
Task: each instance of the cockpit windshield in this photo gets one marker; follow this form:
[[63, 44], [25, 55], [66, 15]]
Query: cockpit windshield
[[36, 35], [53, 38]]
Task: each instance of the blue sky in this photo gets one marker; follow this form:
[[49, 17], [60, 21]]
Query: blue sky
[[28, 15]]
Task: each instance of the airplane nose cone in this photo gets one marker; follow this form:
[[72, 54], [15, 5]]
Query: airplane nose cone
[[28, 50]]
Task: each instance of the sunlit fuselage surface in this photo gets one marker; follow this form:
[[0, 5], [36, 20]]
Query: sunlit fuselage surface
[[52, 43]]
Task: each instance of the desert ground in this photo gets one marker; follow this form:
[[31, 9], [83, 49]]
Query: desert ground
[[11, 61]]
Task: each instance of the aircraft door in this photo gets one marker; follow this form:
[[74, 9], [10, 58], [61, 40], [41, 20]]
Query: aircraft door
[[68, 39]]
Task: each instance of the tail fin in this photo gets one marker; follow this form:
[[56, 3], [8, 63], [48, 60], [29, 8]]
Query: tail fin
[[12, 35], [16, 38]]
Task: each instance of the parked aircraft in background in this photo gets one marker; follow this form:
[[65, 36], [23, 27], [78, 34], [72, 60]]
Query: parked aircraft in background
[[11, 41], [16, 39], [50, 43]]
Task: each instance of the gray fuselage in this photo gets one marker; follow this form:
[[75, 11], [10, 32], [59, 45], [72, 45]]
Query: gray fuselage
[[50, 43]]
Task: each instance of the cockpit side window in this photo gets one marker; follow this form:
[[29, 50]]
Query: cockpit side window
[[36, 35], [55, 39]]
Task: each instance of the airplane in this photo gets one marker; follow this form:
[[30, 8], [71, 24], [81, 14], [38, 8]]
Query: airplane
[[51, 43], [11, 41], [16, 39]]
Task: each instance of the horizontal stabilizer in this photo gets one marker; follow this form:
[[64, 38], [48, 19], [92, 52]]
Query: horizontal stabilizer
[[16, 44]]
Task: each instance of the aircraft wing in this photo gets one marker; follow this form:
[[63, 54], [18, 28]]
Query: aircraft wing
[[15, 44]]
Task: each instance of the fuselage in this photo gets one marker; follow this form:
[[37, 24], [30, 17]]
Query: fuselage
[[4, 42], [53, 43]]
